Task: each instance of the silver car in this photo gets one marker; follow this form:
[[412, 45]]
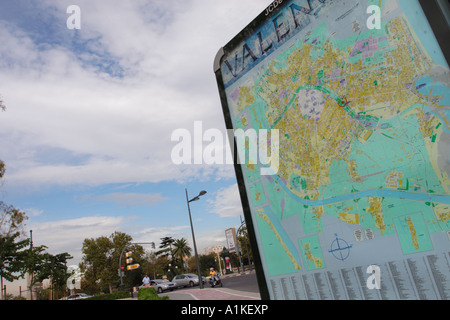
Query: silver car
[[188, 279], [161, 285], [78, 296]]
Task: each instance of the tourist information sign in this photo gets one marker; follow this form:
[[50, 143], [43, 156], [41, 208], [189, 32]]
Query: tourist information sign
[[348, 197]]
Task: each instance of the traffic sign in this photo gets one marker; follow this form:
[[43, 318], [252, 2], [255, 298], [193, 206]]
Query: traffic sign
[[128, 254], [133, 266], [130, 260]]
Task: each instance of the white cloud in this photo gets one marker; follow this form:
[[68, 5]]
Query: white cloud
[[103, 111], [130, 199], [33, 212], [212, 237], [227, 202], [68, 235], [58, 98], [155, 234]]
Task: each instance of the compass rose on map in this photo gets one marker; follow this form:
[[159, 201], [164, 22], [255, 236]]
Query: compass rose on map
[[340, 249]]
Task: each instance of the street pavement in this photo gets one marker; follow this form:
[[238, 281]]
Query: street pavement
[[217, 293], [208, 293]]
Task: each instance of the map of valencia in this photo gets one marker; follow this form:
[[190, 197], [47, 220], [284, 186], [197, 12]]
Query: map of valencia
[[364, 131]]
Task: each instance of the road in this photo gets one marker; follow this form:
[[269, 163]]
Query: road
[[235, 287], [246, 282]]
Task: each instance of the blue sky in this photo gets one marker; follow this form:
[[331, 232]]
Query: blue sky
[[87, 132]]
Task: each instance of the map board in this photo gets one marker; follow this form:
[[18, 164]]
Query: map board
[[357, 92]]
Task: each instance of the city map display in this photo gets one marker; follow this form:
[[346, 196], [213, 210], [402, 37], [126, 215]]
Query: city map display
[[362, 116]]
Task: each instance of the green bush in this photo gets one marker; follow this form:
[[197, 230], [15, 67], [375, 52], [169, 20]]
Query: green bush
[[150, 294], [112, 296]]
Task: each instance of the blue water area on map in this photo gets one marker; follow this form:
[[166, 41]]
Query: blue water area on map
[[427, 83], [369, 193], [422, 28]]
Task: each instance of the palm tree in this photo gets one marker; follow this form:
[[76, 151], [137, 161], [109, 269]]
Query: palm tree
[[166, 247], [181, 250]]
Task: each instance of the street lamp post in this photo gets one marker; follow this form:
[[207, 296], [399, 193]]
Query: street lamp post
[[193, 236]]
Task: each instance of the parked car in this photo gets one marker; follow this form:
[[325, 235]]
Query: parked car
[[188, 279], [161, 285], [78, 296]]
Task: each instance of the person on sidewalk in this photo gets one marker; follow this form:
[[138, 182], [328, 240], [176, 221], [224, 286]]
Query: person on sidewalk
[[146, 281]]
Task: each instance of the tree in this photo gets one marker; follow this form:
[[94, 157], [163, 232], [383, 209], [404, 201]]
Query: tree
[[166, 252], [155, 266], [2, 169], [244, 244], [181, 250], [11, 257], [11, 220], [100, 260], [54, 268], [34, 259], [207, 262], [166, 247], [95, 261]]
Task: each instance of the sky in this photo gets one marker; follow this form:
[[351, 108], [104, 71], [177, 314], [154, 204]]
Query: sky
[[87, 134]]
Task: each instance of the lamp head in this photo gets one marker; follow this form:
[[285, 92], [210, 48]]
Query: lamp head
[[203, 192]]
